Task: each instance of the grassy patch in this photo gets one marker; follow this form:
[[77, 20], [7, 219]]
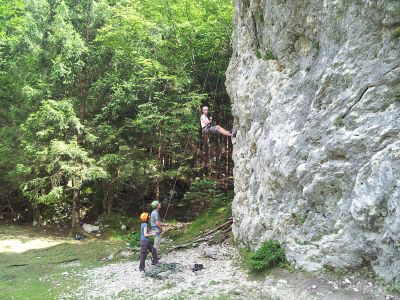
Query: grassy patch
[[134, 239], [396, 33], [394, 288], [339, 122], [111, 225], [49, 272], [299, 220], [315, 44], [207, 220], [222, 297], [269, 55]]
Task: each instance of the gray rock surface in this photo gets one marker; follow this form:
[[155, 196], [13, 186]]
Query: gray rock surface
[[316, 99], [89, 228]]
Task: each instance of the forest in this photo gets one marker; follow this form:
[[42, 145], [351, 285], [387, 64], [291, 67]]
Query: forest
[[100, 106]]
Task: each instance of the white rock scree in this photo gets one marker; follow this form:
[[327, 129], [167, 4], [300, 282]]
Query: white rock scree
[[316, 98], [221, 277]]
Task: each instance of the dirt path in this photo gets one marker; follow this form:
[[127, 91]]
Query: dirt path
[[222, 278]]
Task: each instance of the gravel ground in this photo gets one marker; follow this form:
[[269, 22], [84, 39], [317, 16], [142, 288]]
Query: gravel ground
[[221, 278]]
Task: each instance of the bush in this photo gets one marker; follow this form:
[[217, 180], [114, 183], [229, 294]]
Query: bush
[[198, 198], [269, 255], [134, 239], [112, 225], [201, 190], [223, 199], [203, 195]]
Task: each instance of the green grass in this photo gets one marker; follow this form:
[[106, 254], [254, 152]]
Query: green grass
[[339, 122], [222, 297], [111, 225], [299, 220], [42, 271], [269, 55], [394, 288], [205, 221], [315, 44], [40, 275], [396, 33]]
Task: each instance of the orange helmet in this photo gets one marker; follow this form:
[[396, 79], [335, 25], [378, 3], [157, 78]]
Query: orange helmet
[[144, 216]]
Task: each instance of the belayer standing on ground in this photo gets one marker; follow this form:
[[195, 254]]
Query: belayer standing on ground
[[206, 126], [145, 243], [155, 222]]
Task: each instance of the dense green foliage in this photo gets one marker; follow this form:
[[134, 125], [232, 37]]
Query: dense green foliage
[[101, 100], [202, 195], [201, 190], [269, 255], [207, 220]]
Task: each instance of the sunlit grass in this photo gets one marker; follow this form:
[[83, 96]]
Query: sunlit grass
[[206, 221], [19, 246], [34, 266]]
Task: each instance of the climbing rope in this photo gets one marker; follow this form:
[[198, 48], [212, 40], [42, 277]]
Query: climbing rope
[[213, 63], [176, 179], [160, 268]]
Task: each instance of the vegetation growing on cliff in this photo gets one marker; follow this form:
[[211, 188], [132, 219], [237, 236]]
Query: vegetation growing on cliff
[[269, 255]]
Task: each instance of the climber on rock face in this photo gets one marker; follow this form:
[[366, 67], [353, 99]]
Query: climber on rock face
[[206, 126]]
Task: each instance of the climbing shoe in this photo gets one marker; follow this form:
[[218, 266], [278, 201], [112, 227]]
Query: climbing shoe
[[234, 132], [197, 267]]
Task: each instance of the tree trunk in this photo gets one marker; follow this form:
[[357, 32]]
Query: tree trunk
[[75, 209], [228, 158], [108, 198], [160, 164], [206, 154], [36, 213], [110, 201], [105, 196], [218, 157]]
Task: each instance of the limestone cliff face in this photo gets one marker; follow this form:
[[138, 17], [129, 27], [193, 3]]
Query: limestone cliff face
[[316, 98]]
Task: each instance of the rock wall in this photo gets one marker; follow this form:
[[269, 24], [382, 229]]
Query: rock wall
[[315, 89]]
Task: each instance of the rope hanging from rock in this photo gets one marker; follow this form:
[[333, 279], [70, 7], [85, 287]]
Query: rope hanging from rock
[[205, 136], [171, 195]]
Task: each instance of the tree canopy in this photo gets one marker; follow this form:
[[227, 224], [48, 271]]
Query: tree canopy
[[101, 99]]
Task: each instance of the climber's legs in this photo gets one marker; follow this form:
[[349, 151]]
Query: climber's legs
[[223, 131], [218, 129]]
